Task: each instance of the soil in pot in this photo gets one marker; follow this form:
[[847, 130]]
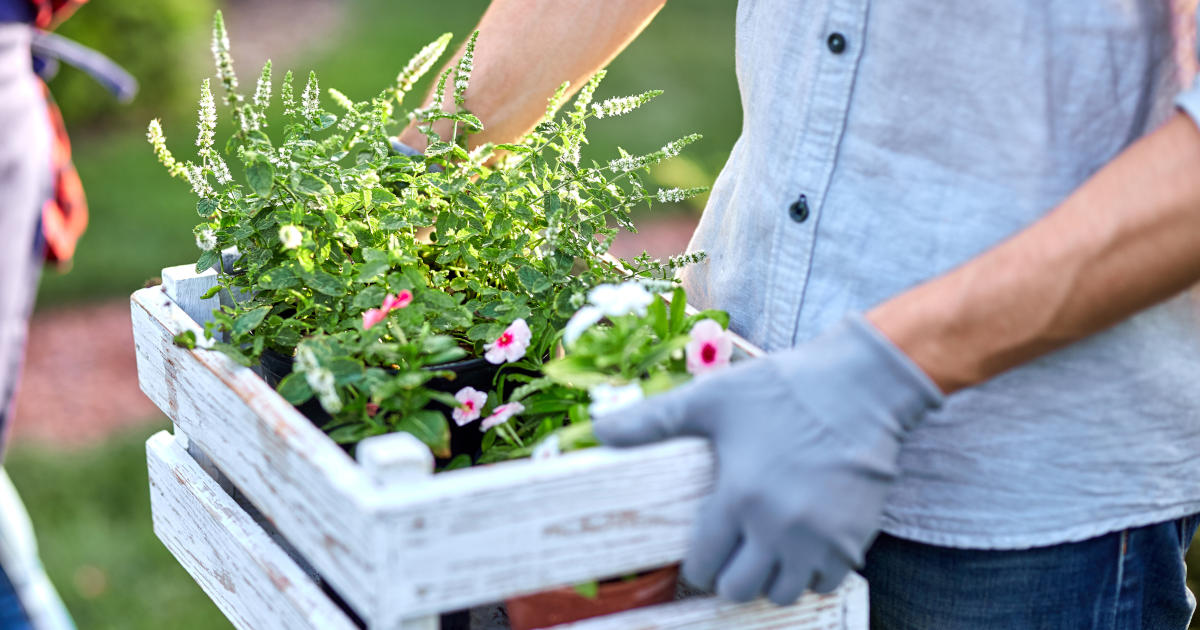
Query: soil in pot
[[564, 605], [477, 373]]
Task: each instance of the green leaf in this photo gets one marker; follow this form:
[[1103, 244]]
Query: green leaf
[[278, 278], [515, 148], [575, 371], [532, 279], [370, 270], [324, 283], [261, 177], [310, 184], [186, 339], [721, 317], [678, 310], [294, 388], [207, 260], [234, 353], [248, 321], [459, 461], [216, 288], [345, 370], [206, 207], [590, 590], [370, 297], [438, 148], [430, 427]]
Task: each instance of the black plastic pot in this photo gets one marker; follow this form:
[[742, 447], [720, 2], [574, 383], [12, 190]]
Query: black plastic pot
[[476, 372]]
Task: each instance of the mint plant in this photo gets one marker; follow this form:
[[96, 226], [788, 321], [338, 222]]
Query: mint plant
[[373, 269]]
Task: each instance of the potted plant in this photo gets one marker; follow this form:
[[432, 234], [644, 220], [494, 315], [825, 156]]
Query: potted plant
[[464, 297]]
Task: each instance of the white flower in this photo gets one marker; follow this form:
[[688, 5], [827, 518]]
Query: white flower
[[322, 382], [582, 320], [607, 399], [625, 163], [310, 97], [206, 239], [501, 414], [621, 299], [206, 117], [290, 236], [306, 359], [547, 448], [666, 195]]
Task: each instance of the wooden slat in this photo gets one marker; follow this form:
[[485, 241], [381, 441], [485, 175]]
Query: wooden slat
[[844, 609], [250, 579], [298, 478]]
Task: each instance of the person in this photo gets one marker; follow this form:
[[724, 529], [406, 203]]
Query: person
[[966, 233], [42, 215]]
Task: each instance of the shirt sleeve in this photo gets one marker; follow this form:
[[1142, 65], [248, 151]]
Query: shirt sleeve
[[1189, 99]]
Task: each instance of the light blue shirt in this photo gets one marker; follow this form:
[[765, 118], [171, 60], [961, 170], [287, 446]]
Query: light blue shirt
[[885, 143]]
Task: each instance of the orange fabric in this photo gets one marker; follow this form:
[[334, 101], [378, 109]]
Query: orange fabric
[[65, 215], [50, 13]]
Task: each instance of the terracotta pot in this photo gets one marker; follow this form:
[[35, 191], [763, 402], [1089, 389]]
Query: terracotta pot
[[564, 605]]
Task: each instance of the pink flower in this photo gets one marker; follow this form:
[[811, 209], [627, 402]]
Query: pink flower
[[710, 347], [401, 300], [391, 302], [501, 414], [372, 409], [373, 316], [471, 402], [510, 345]]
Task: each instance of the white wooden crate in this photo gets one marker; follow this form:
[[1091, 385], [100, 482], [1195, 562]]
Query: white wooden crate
[[396, 542]]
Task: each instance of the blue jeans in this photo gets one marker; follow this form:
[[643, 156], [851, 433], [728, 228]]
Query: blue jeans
[[1127, 580], [12, 615]]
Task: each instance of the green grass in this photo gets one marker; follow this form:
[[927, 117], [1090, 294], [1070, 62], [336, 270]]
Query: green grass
[[141, 220], [91, 512]]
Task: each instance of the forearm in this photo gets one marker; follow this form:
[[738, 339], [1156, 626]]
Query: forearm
[[1125, 240], [527, 48]]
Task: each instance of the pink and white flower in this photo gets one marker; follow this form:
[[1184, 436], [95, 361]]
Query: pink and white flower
[[373, 316], [391, 302], [470, 404], [510, 345], [501, 414], [400, 300], [710, 348]]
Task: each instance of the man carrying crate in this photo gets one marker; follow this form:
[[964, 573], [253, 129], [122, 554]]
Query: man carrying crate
[[966, 231]]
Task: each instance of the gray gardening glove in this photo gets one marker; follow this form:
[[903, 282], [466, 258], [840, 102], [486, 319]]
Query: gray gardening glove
[[806, 443]]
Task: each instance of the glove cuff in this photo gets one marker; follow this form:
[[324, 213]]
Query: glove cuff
[[852, 363]]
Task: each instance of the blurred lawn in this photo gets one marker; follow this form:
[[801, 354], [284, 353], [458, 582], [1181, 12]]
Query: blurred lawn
[[142, 220], [91, 511]]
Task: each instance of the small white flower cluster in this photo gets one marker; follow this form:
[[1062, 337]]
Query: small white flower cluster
[[257, 116], [290, 236], [199, 181], [283, 157], [310, 98], [625, 163], [570, 151], [342, 100], [287, 95], [319, 379], [670, 195], [220, 51], [462, 75], [154, 134], [206, 118], [622, 104], [206, 239], [420, 64], [607, 300], [584, 98]]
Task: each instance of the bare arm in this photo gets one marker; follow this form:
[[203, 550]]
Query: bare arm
[[527, 48], [1125, 240]]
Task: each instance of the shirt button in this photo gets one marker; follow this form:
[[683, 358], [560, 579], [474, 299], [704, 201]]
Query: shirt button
[[836, 43], [799, 209]]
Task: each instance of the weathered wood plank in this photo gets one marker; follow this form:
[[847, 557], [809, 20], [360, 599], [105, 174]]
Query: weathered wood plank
[[294, 474], [839, 610], [250, 579]]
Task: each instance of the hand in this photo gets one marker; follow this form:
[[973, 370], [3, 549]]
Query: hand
[[806, 443]]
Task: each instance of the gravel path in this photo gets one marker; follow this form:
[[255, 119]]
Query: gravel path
[[80, 378]]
